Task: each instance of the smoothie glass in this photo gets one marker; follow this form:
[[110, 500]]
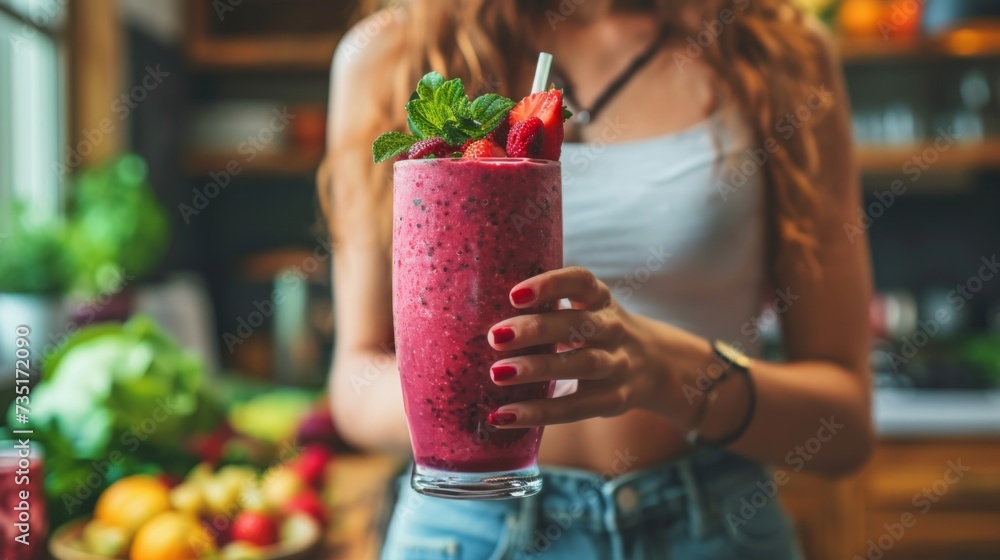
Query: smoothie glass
[[465, 231]]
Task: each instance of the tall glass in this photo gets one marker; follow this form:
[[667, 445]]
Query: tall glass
[[23, 523], [466, 231]]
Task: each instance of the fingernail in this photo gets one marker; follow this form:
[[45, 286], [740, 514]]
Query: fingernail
[[503, 372], [522, 296], [503, 334], [502, 418]]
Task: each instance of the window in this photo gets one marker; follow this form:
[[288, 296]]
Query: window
[[32, 106]]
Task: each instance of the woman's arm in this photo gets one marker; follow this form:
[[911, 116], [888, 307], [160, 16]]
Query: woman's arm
[[364, 387], [825, 388], [636, 362]]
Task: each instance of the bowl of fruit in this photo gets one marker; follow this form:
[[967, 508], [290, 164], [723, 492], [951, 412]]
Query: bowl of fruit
[[233, 513]]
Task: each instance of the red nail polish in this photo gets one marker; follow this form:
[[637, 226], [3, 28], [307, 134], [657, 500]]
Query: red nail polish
[[502, 418], [503, 334], [503, 373], [522, 296]]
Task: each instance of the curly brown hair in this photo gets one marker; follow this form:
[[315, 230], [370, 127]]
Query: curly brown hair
[[766, 56]]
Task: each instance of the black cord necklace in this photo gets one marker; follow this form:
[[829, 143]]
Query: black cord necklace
[[584, 116]]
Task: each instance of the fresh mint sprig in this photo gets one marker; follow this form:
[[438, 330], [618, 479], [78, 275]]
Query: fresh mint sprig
[[441, 108]]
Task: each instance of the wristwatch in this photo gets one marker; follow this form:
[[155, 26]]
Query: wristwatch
[[730, 356], [732, 360]]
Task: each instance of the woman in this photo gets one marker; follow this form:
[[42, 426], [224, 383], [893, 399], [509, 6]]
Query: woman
[[715, 173]]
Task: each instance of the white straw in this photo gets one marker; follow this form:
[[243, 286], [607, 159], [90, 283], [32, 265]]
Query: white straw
[[542, 72]]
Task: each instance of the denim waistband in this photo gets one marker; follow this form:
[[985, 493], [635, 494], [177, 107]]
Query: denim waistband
[[680, 489]]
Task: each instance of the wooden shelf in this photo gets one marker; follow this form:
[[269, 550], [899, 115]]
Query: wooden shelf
[[961, 43], [273, 163], [301, 53], [956, 159]]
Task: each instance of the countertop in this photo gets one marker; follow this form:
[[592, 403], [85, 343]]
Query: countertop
[[926, 413]]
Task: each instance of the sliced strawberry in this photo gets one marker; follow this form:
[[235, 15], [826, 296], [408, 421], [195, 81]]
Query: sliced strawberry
[[436, 147], [547, 106], [526, 138], [484, 148]]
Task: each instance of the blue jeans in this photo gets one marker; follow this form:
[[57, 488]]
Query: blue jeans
[[712, 505]]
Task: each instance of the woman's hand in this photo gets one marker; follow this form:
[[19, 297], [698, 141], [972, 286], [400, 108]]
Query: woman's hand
[[599, 343]]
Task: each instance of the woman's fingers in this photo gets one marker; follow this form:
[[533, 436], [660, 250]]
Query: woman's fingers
[[573, 408], [572, 327], [583, 363], [574, 283]]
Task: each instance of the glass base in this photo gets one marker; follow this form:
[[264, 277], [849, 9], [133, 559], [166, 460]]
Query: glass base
[[500, 485]]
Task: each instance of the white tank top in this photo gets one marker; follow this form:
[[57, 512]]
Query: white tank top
[[669, 227]]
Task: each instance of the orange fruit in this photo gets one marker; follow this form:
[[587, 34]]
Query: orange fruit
[[172, 536], [861, 18], [131, 501]]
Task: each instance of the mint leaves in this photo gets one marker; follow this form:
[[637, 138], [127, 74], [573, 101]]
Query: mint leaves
[[440, 108]]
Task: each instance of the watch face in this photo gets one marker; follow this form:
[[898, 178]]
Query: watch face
[[734, 356]]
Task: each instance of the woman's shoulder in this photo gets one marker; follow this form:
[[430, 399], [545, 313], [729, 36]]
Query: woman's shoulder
[[373, 41]]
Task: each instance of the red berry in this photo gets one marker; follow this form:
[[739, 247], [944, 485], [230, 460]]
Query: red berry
[[547, 106], [484, 148], [436, 147], [500, 133], [255, 528], [526, 138], [311, 464], [308, 503]]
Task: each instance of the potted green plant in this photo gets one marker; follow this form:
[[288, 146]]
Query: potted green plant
[[35, 270], [58, 276]]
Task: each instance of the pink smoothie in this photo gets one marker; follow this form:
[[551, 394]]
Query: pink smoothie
[[464, 233]]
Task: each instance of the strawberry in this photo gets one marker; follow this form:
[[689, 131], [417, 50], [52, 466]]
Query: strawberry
[[526, 138], [484, 148], [256, 528], [311, 464], [308, 503], [436, 147], [547, 106]]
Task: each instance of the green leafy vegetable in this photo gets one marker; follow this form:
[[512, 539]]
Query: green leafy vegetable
[[441, 108], [125, 395]]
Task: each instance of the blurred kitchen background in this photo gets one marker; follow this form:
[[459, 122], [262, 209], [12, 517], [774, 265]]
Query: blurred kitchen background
[[159, 158]]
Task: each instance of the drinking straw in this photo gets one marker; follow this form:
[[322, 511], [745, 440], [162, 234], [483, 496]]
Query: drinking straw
[[542, 72]]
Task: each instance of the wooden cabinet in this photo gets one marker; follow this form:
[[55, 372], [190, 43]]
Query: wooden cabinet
[[916, 499]]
